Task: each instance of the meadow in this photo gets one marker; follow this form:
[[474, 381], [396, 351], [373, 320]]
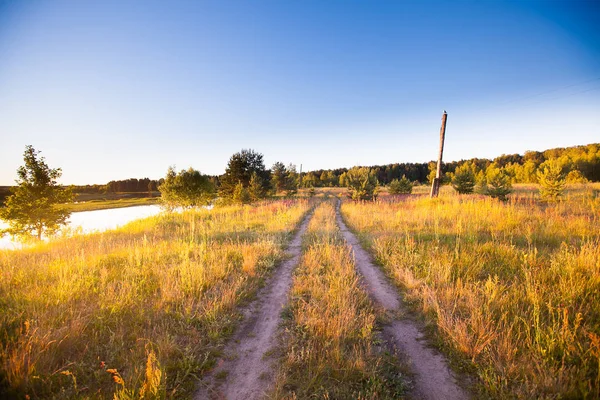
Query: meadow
[[331, 344], [136, 312], [510, 291]]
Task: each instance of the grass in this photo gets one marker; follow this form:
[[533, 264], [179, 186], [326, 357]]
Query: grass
[[512, 289], [140, 311], [330, 326], [104, 204]]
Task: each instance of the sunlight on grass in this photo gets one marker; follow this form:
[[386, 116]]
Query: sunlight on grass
[[513, 289], [330, 334], [142, 308]]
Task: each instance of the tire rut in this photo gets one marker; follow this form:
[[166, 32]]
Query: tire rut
[[433, 378], [245, 366]]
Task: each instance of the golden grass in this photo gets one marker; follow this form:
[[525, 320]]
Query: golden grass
[[142, 310], [330, 327], [513, 288]]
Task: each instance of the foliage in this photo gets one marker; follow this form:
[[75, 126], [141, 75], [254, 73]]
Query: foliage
[[284, 179], [36, 204], [188, 188], [575, 176], [552, 180], [362, 183], [240, 194], [256, 189], [464, 179], [402, 186], [498, 183], [240, 168]]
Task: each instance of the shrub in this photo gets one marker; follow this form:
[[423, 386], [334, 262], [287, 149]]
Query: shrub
[[464, 179], [362, 183], [402, 186], [498, 183], [551, 179]]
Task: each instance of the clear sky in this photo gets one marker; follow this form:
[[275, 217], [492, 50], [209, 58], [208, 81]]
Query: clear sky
[[123, 89]]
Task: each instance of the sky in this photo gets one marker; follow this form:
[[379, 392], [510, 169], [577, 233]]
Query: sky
[[111, 90]]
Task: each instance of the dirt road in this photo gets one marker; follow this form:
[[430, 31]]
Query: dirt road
[[433, 378], [245, 372]]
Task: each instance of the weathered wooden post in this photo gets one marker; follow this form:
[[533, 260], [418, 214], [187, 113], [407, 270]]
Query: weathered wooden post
[[435, 186]]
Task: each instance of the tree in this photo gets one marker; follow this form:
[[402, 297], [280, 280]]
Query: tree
[[464, 179], [256, 188], [240, 194], [240, 168], [36, 204], [362, 183], [188, 188], [278, 177], [552, 180], [291, 180], [498, 183], [402, 186]]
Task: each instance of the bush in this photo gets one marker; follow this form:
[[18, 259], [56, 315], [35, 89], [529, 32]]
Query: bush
[[402, 186], [188, 188], [551, 179], [362, 183], [498, 183], [240, 194], [464, 179]]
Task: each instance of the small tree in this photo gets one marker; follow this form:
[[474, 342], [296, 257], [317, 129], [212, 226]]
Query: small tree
[[240, 168], [256, 188], [278, 177], [498, 183], [362, 183], [188, 188], [291, 180], [35, 206], [240, 194], [464, 179], [402, 186], [551, 179]]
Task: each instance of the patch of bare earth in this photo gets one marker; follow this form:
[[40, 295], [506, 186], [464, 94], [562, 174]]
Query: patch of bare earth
[[433, 378], [245, 371]]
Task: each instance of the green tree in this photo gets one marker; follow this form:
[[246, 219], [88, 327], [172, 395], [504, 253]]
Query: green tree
[[464, 179], [35, 206], [240, 168], [362, 183], [402, 186], [256, 188], [498, 183], [188, 188], [291, 180], [240, 194], [279, 177], [551, 179]]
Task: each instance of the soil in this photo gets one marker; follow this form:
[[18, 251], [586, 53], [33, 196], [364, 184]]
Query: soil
[[433, 379], [245, 371]]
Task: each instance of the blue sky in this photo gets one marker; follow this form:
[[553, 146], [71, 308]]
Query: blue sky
[[119, 89]]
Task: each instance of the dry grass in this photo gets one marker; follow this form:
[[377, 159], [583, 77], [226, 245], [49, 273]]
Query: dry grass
[[140, 311], [514, 288], [330, 328]]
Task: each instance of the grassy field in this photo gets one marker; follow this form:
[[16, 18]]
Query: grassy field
[[140, 311], [93, 205], [330, 326], [511, 290]]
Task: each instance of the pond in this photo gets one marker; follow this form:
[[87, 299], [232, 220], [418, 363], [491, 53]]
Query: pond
[[94, 221]]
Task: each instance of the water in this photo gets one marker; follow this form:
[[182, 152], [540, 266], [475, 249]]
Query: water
[[94, 221]]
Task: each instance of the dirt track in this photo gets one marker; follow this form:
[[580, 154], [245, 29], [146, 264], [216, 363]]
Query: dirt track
[[247, 371], [433, 378]]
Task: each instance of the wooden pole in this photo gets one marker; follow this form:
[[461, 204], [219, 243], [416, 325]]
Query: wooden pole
[[435, 186]]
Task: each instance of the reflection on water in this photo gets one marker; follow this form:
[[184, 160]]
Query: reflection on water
[[92, 221]]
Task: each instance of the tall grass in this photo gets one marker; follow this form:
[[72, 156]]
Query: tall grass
[[140, 311], [330, 328], [514, 289]]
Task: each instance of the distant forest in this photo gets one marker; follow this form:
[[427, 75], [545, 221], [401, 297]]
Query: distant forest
[[580, 164]]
